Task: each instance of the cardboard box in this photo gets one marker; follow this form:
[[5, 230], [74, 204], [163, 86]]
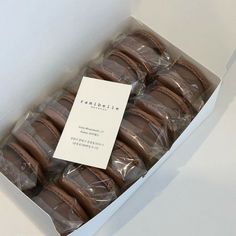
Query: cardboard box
[[93, 225]]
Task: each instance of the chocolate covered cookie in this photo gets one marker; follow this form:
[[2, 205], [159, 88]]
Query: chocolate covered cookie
[[19, 167], [59, 108], [125, 166], [92, 187], [146, 49], [118, 67], [169, 108], [188, 82], [144, 134], [40, 137], [65, 211], [73, 85]]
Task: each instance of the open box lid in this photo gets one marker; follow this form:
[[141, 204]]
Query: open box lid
[[205, 30]]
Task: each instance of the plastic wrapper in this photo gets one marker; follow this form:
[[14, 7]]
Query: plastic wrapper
[[146, 49], [168, 108], [20, 167], [57, 109], [65, 211], [117, 67], [114, 66], [144, 134], [125, 166], [39, 137], [92, 187], [73, 85], [187, 81]]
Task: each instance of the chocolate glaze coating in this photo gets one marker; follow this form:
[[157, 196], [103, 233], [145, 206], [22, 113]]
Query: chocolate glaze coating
[[92, 187], [19, 167], [188, 82], [168, 108], [40, 139], [125, 166], [59, 109], [73, 85], [146, 49], [64, 210], [143, 133], [118, 67]]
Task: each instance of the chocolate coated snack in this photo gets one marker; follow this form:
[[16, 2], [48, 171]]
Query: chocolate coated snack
[[144, 134], [19, 167], [125, 166], [92, 187], [73, 85], [40, 137], [58, 110], [167, 107], [188, 82], [146, 49], [118, 67], [64, 210]]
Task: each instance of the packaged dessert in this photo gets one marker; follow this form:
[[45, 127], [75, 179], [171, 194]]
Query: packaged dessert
[[186, 80], [39, 137], [144, 134], [57, 108], [113, 66], [125, 166], [72, 85], [65, 211], [166, 107], [145, 48], [117, 67], [90, 186], [20, 167]]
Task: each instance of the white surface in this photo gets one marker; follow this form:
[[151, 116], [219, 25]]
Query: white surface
[[194, 191]]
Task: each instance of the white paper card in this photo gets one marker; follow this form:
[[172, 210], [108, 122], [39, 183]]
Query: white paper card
[[92, 126]]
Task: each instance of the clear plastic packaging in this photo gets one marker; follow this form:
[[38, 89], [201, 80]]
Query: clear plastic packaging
[[20, 167], [117, 67], [113, 66], [125, 165], [39, 137], [73, 85], [167, 107], [57, 109], [92, 187], [187, 81], [146, 49], [65, 211], [144, 134]]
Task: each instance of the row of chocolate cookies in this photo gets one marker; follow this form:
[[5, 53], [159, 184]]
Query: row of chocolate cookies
[[94, 189], [175, 91], [167, 92], [59, 186], [25, 159]]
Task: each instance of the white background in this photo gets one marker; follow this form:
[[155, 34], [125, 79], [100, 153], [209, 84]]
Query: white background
[[194, 192]]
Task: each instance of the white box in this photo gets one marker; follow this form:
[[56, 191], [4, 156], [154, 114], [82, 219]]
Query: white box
[[45, 224]]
